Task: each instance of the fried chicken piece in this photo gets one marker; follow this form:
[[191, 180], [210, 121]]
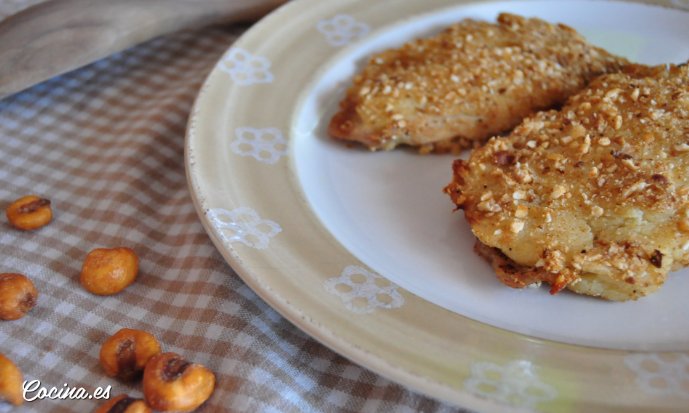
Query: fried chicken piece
[[594, 197], [472, 81]]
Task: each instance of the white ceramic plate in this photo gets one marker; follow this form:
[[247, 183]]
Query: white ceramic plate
[[361, 250]]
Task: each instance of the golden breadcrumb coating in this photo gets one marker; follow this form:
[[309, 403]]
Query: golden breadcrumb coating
[[594, 197], [472, 81]]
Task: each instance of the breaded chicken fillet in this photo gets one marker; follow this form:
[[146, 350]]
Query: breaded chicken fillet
[[593, 197], [472, 81]]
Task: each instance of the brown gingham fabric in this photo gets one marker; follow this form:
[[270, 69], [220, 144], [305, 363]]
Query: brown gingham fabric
[[105, 145]]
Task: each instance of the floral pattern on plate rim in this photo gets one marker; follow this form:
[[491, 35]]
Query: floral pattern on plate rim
[[515, 383], [243, 225], [661, 374], [266, 145], [363, 291], [342, 29], [246, 69]]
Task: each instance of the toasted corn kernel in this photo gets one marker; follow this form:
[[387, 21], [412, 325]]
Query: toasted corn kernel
[[123, 404], [173, 384], [10, 382], [125, 354], [18, 295], [108, 271], [29, 212]]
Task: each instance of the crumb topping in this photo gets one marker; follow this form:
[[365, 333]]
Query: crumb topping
[[467, 83], [608, 186]]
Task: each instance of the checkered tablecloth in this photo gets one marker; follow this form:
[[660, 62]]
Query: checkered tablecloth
[[105, 145]]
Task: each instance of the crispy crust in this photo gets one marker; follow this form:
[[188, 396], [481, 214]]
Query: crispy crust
[[594, 197], [466, 84], [611, 285]]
